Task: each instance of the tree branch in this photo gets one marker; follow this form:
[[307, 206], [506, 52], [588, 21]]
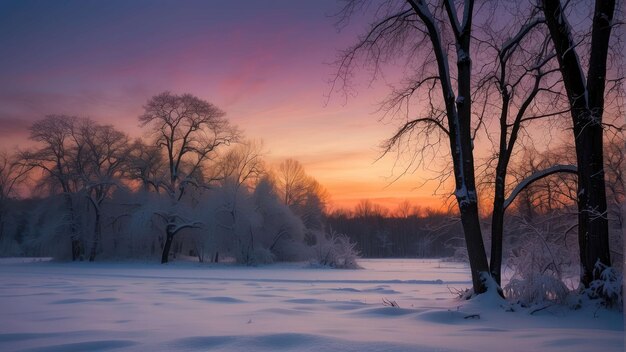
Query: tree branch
[[538, 176]]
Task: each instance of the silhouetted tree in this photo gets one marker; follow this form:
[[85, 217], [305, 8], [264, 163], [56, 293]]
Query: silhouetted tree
[[301, 192], [145, 163], [242, 164], [586, 94], [412, 27]]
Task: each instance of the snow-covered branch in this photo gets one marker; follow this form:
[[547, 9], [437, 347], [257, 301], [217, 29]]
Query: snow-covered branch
[[572, 169]]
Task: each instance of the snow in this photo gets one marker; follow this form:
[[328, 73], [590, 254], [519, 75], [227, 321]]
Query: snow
[[183, 306]]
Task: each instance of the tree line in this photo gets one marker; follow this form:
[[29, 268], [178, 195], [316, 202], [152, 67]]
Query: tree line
[[193, 187], [412, 231]]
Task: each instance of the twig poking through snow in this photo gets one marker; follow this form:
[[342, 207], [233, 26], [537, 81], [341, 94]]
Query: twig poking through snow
[[540, 309], [388, 303]]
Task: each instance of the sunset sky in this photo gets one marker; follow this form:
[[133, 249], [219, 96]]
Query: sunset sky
[[266, 63]]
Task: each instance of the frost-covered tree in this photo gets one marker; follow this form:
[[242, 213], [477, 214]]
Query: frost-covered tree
[[282, 231], [12, 175], [77, 156], [102, 152], [189, 131], [55, 157]]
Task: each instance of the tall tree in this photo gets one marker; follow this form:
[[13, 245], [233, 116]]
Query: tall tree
[[440, 27], [102, 152], [12, 174], [586, 95], [525, 75], [190, 131], [56, 158]]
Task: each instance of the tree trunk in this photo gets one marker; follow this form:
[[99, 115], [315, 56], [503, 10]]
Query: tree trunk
[[587, 106], [166, 248], [464, 166], [475, 246], [459, 116], [593, 227], [1, 223], [497, 230], [74, 238], [96, 237]]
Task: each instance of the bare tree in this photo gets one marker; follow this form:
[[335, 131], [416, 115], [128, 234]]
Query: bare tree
[[526, 78], [190, 131], [301, 192], [12, 174], [292, 182], [365, 208], [145, 163], [242, 164], [56, 159], [412, 27], [586, 94], [406, 210], [103, 152]]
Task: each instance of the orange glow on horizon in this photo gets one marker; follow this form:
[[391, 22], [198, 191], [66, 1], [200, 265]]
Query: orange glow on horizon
[[271, 78]]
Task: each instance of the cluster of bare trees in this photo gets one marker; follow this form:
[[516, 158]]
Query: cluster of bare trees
[[193, 186], [492, 72]]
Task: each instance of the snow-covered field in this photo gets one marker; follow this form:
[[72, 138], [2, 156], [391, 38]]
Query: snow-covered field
[[191, 307]]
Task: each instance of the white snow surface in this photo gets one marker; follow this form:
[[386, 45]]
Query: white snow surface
[[47, 306]]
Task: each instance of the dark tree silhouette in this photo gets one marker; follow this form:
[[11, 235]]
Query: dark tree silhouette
[[439, 26], [586, 95]]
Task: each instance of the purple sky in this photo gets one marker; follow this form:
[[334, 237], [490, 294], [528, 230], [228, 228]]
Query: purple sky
[[264, 62]]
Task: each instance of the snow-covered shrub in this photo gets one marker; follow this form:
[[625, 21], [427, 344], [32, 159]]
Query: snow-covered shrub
[[541, 263], [609, 288], [262, 255], [279, 230], [535, 287], [227, 219], [335, 250]]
